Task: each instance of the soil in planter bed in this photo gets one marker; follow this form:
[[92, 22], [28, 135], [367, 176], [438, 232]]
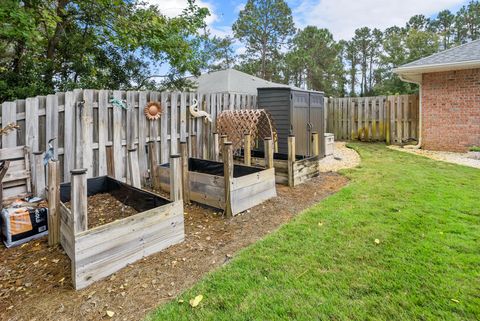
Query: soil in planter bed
[[35, 281], [104, 208]]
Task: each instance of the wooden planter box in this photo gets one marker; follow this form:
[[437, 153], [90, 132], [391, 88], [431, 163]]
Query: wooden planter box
[[249, 186], [98, 252], [302, 169]]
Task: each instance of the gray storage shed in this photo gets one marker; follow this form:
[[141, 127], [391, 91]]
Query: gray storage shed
[[295, 111]]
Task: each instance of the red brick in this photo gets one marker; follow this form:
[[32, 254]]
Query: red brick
[[451, 110]]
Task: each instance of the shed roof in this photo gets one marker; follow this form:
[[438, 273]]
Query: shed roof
[[466, 56], [232, 81]]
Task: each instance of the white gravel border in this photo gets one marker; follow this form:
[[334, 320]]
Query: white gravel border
[[449, 157], [342, 158]]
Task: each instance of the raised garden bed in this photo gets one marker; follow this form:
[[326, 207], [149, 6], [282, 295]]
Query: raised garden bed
[[99, 251], [249, 186], [302, 169]]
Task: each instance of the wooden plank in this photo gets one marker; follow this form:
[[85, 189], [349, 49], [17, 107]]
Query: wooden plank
[[12, 153], [406, 115], [130, 121], [246, 198], [381, 118], [134, 168], [39, 175], [268, 148], [399, 119], [291, 159], [85, 131], [69, 135], [9, 116], [51, 123], [164, 150], [142, 136], [227, 154], [31, 123], [117, 138], [175, 178], [183, 117], [53, 202], [174, 123], [102, 131], [78, 199], [122, 242]]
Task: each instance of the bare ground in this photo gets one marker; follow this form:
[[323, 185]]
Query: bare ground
[[35, 280]]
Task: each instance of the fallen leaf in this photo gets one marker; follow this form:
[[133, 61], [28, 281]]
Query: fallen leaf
[[455, 300], [196, 301], [55, 260], [377, 241], [320, 223], [110, 313], [180, 301], [61, 280]]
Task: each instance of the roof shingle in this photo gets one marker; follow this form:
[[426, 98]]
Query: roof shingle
[[467, 52]]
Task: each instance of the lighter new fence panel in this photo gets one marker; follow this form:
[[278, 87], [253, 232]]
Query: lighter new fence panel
[[383, 118], [84, 123]]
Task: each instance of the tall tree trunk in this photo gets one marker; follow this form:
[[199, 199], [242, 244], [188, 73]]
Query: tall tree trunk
[[53, 43]]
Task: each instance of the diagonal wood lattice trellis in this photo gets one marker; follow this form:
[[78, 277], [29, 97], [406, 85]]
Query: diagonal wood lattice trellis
[[236, 123]]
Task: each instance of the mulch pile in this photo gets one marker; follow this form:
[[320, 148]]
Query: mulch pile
[[35, 281], [104, 208]]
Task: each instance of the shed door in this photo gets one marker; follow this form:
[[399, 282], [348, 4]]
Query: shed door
[[300, 121], [317, 119]]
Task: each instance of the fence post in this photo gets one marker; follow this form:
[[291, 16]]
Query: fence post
[[315, 144], [268, 146], [227, 154], [78, 199], [134, 168], [175, 178], [185, 176], [53, 202], [38, 175], [216, 151], [247, 149], [291, 158]]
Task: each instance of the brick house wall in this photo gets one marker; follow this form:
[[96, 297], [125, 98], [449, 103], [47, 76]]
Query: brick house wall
[[451, 110]]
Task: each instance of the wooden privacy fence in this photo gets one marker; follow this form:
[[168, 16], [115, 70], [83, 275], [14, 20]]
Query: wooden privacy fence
[[87, 127], [393, 119]]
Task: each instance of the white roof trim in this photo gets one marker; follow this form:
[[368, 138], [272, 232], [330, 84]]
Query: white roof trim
[[471, 64]]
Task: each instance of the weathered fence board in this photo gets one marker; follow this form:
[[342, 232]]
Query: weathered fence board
[[85, 123], [373, 118]]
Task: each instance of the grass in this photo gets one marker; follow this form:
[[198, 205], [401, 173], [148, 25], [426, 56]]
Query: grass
[[475, 149], [326, 265]]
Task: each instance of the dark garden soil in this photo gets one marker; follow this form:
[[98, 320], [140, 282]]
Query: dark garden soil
[[35, 281]]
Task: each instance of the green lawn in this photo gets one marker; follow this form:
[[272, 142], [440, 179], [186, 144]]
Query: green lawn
[[326, 265]]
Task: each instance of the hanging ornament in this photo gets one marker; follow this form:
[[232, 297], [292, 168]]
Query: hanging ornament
[[153, 110]]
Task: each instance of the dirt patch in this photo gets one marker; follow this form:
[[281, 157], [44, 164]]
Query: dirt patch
[[35, 281], [103, 208]]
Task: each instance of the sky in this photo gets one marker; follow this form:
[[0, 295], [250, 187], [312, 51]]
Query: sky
[[341, 17]]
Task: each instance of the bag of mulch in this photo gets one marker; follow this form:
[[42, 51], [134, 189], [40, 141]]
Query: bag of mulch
[[22, 224]]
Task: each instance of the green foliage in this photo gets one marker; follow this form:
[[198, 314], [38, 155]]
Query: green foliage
[[314, 61], [63, 44], [475, 149], [220, 53], [264, 27], [425, 265]]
